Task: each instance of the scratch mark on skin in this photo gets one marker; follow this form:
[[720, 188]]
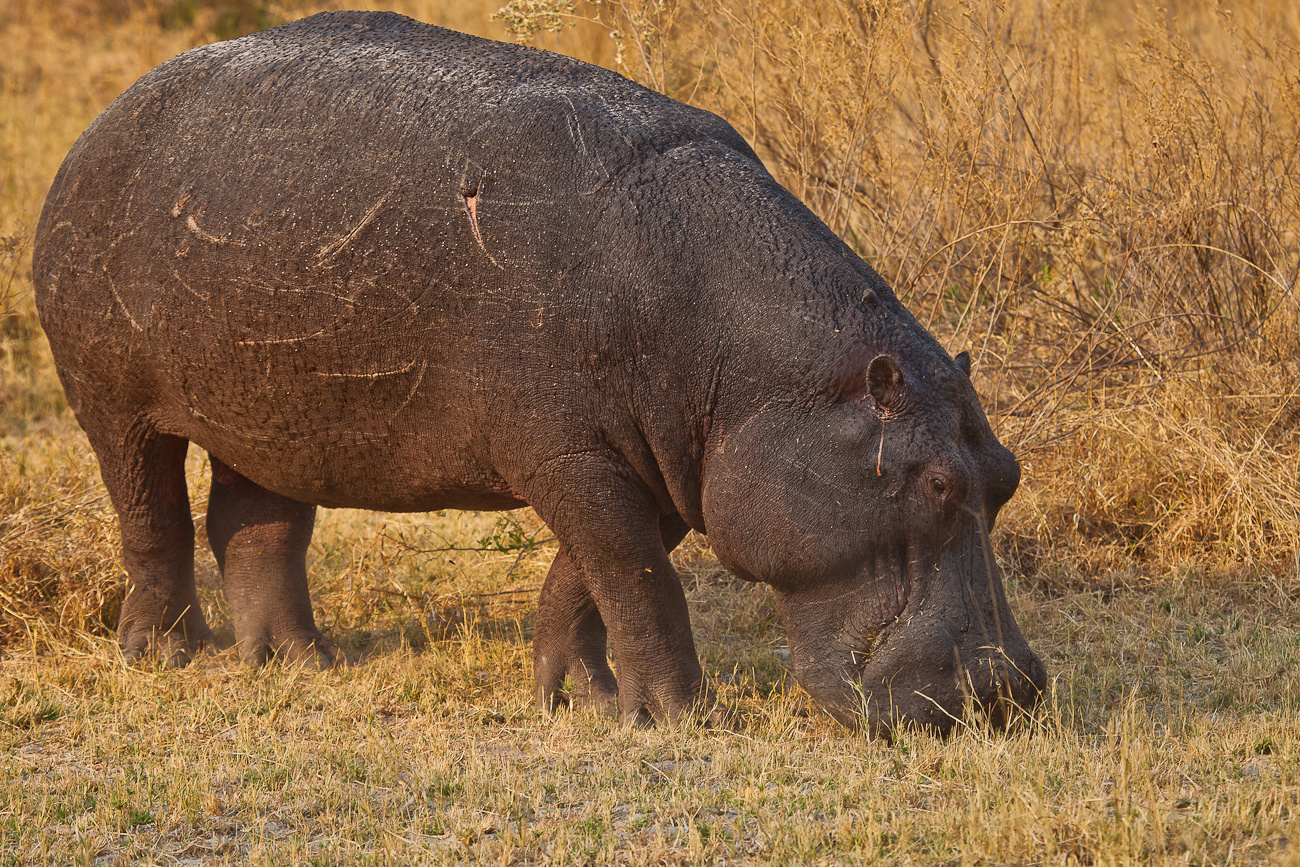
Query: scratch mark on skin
[[193, 226], [188, 287], [471, 208], [329, 251], [885, 416], [410, 394], [245, 433], [880, 452], [287, 340], [113, 288], [393, 372], [835, 483], [575, 132], [293, 290], [575, 128]]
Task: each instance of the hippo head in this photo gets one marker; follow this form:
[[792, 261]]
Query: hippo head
[[869, 512]]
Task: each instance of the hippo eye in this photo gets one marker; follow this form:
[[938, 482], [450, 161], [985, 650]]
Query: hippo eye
[[939, 487]]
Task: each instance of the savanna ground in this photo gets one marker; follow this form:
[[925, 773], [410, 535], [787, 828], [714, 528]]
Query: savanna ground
[[1099, 199]]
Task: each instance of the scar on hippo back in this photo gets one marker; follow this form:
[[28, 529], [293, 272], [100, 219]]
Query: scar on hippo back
[[471, 208], [469, 192]]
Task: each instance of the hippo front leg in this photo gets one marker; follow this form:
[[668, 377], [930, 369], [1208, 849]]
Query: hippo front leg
[[609, 529], [570, 641], [260, 540]]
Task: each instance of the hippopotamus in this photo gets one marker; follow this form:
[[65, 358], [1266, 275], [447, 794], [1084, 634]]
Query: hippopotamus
[[368, 263]]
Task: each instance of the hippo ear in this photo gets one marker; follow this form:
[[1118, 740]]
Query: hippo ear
[[885, 382], [963, 362]]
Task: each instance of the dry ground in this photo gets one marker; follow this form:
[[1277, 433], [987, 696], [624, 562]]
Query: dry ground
[[1099, 198]]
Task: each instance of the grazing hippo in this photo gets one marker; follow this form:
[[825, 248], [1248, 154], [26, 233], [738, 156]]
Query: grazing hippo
[[368, 263]]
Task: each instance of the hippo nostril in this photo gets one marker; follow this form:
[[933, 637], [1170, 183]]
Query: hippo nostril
[[1003, 690]]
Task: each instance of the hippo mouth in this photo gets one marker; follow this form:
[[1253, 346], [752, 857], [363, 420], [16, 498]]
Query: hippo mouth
[[922, 642], [910, 682]]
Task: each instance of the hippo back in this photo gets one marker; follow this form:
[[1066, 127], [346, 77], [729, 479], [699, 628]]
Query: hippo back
[[383, 218]]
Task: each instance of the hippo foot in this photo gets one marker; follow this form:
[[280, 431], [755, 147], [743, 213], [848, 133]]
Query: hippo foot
[[690, 703], [303, 647], [570, 643], [574, 682], [173, 648], [706, 715], [150, 628]]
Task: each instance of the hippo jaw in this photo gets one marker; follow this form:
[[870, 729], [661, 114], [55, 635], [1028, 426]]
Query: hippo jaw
[[951, 644]]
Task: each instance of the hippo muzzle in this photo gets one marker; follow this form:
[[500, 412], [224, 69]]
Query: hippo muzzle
[[952, 650]]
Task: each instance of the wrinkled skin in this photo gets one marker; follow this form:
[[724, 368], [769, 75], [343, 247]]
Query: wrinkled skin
[[367, 263]]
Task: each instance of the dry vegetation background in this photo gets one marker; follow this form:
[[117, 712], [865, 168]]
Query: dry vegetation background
[[1099, 199]]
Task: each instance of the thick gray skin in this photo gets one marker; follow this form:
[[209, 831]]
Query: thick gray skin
[[368, 263]]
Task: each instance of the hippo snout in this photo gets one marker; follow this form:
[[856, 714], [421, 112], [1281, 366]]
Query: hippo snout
[[1002, 687], [926, 677], [923, 675]]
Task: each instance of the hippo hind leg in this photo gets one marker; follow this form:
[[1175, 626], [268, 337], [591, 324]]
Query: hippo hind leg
[[570, 640], [144, 472], [260, 541]]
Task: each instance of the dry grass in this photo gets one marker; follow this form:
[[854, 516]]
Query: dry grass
[[1101, 200]]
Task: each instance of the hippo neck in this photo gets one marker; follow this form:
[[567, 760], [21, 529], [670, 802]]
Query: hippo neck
[[784, 326]]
